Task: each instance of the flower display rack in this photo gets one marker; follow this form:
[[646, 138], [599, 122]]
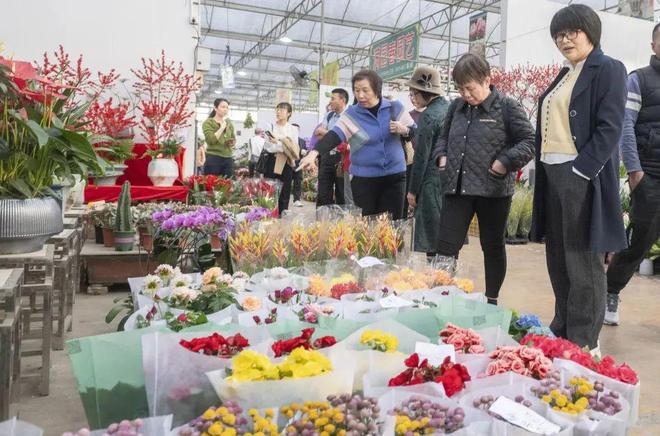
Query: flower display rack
[[36, 309], [10, 337], [64, 245]]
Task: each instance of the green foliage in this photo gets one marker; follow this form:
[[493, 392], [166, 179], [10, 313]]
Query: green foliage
[[168, 149], [122, 304], [654, 252], [188, 319], [625, 200], [249, 122], [118, 151]]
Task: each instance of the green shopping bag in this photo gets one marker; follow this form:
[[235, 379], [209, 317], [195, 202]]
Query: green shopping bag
[[472, 314]]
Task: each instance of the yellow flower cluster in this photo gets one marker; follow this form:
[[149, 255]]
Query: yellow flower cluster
[[249, 365], [318, 286], [327, 420], [379, 341], [419, 427], [224, 424], [562, 403], [263, 425], [407, 280], [466, 285]]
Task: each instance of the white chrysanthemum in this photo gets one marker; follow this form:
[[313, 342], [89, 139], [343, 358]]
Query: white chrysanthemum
[[239, 283], [181, 281], [185, 294], [152, 285], [165, 272]]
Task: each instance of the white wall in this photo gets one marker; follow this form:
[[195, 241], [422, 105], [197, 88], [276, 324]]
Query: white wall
[[109, 34], [525, 30]]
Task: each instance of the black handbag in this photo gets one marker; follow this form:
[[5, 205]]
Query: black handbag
[[262, 164]]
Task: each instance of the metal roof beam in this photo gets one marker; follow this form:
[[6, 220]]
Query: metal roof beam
[[494, 8], [268, 58]]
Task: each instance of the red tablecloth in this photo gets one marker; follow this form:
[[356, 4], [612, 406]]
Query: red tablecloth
[[138, 193], [136, 173]]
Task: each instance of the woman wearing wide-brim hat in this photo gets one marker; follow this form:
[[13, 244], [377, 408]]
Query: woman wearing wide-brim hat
[[425, 185]]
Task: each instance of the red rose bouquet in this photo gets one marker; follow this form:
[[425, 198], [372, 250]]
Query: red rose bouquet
[[217, 345], [452, 375], [286, 346]]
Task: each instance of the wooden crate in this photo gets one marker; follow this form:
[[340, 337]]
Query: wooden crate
[[36, 309], [10, 337]]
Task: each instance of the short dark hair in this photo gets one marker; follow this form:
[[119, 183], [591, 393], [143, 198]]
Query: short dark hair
[[426, 95], [216, 102], [470, 67], [374, 79], [655, 30], [342, 92], [577, 17], [286, 105]]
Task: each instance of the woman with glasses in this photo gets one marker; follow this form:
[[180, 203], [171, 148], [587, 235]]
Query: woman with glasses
[[576, 198]]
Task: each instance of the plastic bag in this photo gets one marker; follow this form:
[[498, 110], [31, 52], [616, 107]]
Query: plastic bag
[[473, 314], [154, 426], [276, 278], [175, 378], [476, 423], [367, 311], [627, 391], [15, 427], [256, 394]]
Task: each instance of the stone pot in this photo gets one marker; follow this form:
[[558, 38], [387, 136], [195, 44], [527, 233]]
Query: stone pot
[[124, 241], [646, 267], [163, 172], [108, 179], [108, 237], [25, 225]]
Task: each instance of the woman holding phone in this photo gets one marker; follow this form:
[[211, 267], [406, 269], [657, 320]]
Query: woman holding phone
[[220, 140]]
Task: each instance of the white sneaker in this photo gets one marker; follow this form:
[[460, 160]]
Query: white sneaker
[[298, 203], [595, 352], [612, 311]]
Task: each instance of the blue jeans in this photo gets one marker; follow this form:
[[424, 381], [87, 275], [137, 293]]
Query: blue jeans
[[219, 166]]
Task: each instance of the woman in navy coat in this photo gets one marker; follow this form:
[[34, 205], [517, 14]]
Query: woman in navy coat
[[577, 209]]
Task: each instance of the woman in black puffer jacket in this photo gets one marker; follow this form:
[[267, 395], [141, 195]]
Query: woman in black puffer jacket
[[486, 138]]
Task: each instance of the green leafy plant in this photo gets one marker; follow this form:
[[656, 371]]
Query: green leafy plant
[[625, 200], [654, 252], [168, 149], [122, 304], [249, 122], [188, 319]]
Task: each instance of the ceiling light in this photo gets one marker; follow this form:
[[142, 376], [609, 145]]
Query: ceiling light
[[242, 73], [285, 39], [218, 91]]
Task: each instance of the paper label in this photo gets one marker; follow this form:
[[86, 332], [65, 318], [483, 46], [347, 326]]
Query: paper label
[[394, 301], [369, 261], [435, 353], [522, 416]]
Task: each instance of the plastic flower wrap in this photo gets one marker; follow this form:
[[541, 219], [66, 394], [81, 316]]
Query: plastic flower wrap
[[522, 360], [250, 247], [305, 241], [451, 375], [379, 341], [341, 240], [465, 341], [312, 312]]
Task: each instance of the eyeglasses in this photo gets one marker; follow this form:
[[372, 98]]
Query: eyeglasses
[[568, 34]]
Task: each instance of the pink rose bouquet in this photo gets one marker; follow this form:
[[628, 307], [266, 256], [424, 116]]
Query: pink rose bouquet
[[522, 360], [465, 341]]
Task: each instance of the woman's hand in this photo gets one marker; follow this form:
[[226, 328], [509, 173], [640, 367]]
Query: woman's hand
[[412, 200], [308, 162], [498, 169], [397, 128], [231, 142]]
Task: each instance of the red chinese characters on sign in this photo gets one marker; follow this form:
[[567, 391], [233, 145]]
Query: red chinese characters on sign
[[392, 53]]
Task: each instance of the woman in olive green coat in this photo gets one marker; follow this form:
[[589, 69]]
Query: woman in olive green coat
[[425, 189]]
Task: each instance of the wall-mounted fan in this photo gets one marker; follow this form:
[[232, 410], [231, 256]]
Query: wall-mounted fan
[[301, 77]]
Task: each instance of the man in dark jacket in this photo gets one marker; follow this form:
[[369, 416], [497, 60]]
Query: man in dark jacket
[[640, 148]]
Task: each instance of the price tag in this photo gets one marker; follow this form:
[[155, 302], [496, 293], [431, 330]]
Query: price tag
[[369, 261], [435, 353], [522, 416], [394, 301]]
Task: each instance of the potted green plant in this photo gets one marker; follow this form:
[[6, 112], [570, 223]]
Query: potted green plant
[[163, 169], [124, 233], [646, 268], [40, 142], [144, 223], [108, 222]]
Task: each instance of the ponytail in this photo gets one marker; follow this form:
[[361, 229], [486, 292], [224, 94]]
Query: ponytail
[[212, 114]]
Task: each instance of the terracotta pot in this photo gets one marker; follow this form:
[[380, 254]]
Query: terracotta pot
[[216, 242], [147, 241], [108, 237]]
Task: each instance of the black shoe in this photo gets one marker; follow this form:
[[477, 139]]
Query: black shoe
[[492, 301]]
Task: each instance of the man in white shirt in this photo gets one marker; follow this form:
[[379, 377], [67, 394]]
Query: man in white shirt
[[255, 147]]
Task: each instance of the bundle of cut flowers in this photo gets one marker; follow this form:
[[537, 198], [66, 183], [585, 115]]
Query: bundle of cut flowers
[[452, 375], [465, 341], [217, 345], [522, 360], [286, 346], [285, 296], [338, 286], [207, 220], [124, 428], [249, 365], [225, 420], [379, 341], [564, 349], [522, 325], [311, 312], [418, 416]]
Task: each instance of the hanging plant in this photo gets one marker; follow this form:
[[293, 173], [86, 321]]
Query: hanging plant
[[249, 122]]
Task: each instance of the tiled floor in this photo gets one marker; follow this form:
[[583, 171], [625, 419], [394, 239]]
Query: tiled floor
[[527, 288]]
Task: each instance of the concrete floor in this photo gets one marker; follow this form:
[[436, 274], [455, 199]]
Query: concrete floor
[[527, 289]]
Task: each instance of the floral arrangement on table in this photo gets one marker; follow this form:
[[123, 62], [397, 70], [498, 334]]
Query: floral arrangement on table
[[561, 348], [335, 288], [418, 415], [521, 325], [217, 345], [577, 396], [215, 294], [345, 414], [312, 312], [378, 340], [465, 341], [209, 189], [286, 346], [259, 192], [451, 375], [114, 123], [287, 295], [250, 365], [523, 360], [123, 428]]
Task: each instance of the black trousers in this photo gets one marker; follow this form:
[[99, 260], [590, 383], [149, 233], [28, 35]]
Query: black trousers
[[376, 195], [406, 206], [287, 181], [330, 187], [297, 183], [492, 213], [219, 166], [643, 231], [577, 273]]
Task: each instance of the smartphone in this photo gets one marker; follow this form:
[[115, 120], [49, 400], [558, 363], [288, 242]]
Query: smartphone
[[270, 135]]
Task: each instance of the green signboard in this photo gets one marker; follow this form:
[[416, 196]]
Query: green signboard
[[396, 55]]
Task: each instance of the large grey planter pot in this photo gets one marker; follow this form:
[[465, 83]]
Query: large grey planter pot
[[25, 225]]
